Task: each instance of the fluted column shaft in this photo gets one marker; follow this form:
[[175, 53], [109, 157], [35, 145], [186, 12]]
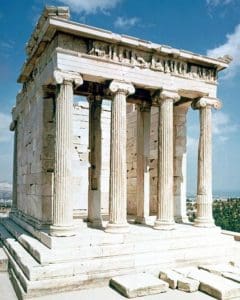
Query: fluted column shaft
[[143, 152], [62, 201], [204, 178], [62, 204], [95, 160], [118, 167], [165, 212]]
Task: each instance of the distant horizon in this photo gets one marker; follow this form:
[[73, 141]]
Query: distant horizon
[[216, 193]]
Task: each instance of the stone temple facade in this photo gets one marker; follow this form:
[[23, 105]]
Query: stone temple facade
[[81, 167]]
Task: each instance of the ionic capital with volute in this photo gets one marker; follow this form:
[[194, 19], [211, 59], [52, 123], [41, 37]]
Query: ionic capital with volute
[[63, 76], [163, 95], [207, 102], [123, 87]]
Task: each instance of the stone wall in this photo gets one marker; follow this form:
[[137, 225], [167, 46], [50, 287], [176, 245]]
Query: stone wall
[[29, 154], [132, 159], [179, 160], [80, 161]]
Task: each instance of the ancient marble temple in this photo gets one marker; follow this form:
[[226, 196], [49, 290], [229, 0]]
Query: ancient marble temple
[[69, 193]]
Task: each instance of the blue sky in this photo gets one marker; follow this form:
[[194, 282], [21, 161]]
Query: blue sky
[[203, 26]]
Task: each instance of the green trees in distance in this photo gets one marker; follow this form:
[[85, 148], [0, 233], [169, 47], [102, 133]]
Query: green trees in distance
[[226, 213]]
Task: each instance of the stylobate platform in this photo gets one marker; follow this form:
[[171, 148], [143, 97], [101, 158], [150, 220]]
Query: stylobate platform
[[92, 256]]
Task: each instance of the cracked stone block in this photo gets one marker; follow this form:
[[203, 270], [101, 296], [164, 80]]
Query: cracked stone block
[[188, 285], [171, 277], [136, 285], [216, 286]]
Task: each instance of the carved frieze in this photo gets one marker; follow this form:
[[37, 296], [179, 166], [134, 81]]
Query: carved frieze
[[153, 61]]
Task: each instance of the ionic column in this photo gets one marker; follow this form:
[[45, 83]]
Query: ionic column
[[13, 127], [180, 162], [95, 160], [204, 178], [118, 169], [62, 202], [165, 213], [143, 152]]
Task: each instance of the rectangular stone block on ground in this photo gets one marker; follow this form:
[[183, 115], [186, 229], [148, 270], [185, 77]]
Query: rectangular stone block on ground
[[188, 285], [171, 277], [226, 270], [140, 284], [216, 286]]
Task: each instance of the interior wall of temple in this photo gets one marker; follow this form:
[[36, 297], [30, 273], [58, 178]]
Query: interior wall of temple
[[80, 162], [132, 159]]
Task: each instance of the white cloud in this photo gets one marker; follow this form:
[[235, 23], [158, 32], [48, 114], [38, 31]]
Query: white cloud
[[125, 23], [215, 3], [5, 134], [230, 47], [90, 6], [222, 126]]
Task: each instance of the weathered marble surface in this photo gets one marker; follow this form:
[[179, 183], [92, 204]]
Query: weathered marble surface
[[140, 284]]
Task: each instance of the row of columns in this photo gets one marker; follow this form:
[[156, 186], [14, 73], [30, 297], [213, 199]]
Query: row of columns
[[62, 204]]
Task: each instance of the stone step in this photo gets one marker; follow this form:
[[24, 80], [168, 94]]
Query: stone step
[[139, 284], [69, 275], [216, 286], [34, 271], [90, 250], [38, 272], [38, 250], [25, 261], [30, 289], [92, 236], [3, 259]]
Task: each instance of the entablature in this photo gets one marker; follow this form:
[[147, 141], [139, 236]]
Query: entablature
[[103, 45]]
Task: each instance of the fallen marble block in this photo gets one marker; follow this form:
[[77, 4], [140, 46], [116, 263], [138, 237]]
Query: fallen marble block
[[171, 277], [216, 286], [136, 285], [226, 270], [188, 285]]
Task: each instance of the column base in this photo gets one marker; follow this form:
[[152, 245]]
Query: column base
[[143, 220], [61, 231], [96, 223], [181, 219], [199, 222], [117, 228], [161, 225]]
